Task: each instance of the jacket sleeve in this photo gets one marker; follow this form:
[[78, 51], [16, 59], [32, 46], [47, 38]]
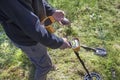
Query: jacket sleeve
[[49, 9], [29, 23]]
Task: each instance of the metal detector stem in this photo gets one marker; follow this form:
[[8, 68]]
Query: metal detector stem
[[81, 61], [76, 47]]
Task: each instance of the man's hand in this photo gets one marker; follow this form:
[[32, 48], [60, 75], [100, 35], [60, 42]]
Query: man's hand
[[58, 15], [65, 44]]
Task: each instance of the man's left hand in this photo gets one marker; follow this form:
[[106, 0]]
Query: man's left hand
[[58, 15]]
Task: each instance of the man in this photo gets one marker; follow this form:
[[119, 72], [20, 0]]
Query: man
[[25, 30]]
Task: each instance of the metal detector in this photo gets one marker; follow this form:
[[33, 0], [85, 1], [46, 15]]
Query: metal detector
[[76, 47]]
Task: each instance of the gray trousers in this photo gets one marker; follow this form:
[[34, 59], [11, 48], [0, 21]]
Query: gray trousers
[[39, 57]]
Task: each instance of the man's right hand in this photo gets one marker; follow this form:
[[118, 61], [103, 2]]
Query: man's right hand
[[65, 44]]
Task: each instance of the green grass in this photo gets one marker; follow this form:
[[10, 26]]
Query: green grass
[[94, 22]]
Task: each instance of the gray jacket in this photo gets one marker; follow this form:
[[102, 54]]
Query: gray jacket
[[24, 27]]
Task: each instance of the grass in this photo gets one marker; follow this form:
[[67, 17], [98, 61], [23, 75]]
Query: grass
[[94, 22]]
